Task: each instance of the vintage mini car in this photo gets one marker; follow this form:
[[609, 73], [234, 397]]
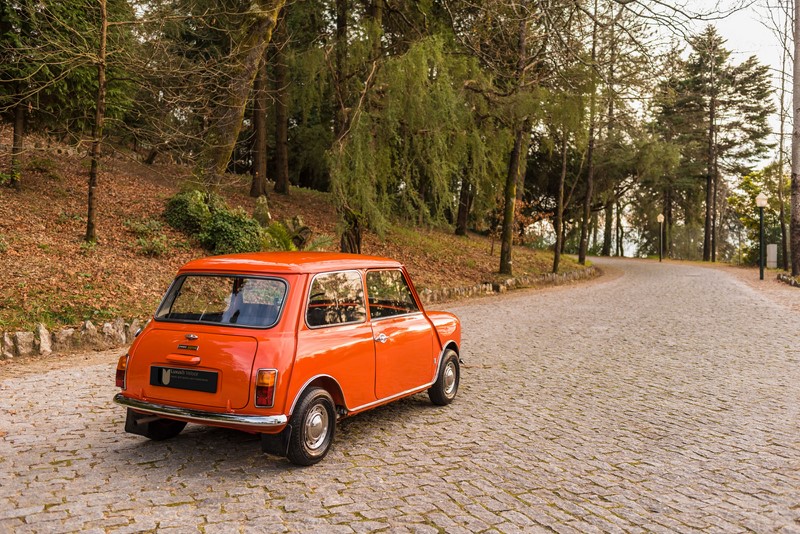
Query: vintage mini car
[[284, 345]]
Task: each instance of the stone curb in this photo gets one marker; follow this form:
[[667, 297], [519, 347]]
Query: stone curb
[[118, 333], [430, 296], [787, 279], [41, 341]]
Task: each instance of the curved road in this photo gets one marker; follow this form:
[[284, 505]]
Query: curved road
[[661, 399]]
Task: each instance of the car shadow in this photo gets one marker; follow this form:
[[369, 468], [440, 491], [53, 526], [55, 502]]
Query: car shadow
[[200, 450]]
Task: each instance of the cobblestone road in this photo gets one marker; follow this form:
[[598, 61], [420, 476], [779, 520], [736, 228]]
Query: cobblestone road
[[664, 399]]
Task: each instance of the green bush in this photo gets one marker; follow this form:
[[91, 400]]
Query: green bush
[[154, 247], [144, 229], [231, 231], [188, 211]]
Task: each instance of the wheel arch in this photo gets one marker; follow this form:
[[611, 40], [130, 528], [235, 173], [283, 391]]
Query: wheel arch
[[326, 382]]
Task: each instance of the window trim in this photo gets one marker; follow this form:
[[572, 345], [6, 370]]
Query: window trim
[[349, 323], [411, 292], [181, 278]]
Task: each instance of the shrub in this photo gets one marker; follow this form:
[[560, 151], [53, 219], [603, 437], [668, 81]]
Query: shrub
[[188, 211], [155, 246], [293, 235], [144, 229], [231, 231]]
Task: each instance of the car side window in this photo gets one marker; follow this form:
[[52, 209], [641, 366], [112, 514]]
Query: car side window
[[389, 294], [336, 298]]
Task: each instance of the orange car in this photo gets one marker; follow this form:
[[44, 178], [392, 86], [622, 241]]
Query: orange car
[[284, 344]]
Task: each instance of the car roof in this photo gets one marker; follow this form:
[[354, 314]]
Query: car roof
[[287, 262]]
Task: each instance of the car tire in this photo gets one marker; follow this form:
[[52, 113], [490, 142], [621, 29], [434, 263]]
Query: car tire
[[162, 429], [444, 390], [313, 425]]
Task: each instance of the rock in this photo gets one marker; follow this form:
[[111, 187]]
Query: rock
[[25, 343], [131, 330], [64, 339], [45, 340], [89, 336], [6, 346], [115, 331]]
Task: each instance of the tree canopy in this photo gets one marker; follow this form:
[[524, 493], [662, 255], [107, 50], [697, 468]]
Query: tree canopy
[[555, 124]]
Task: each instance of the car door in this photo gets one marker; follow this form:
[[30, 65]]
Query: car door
[[335, 339], [404, 338]]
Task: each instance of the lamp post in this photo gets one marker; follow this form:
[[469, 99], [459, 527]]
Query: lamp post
[[660, 219], [761, 202]]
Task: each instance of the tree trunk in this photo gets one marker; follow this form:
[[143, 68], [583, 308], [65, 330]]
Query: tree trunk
[[281, 109], [521, 138], [781, 159], [227, 117], [464, 204], [714, 218], [97, 126], [559, 222], [340, 74], [510, 198], [795, 187], [587, 201], [620, 233], [151, 156], [375, 13], [708, 244], [16, 145], [258, 185], [608, 231], [351, 236], [668, 222]]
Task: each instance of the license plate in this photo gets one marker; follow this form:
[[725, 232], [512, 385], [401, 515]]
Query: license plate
[[171, 377]]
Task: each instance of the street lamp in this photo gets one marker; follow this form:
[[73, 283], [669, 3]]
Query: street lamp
[[761, 202], [660, 219]]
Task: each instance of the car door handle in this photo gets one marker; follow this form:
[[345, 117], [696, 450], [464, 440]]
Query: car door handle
[[382, 338]]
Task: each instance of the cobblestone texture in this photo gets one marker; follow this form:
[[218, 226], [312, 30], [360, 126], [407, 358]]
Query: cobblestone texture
[[661, 400]]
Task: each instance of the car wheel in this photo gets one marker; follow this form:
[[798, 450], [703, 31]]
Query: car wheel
[[313, 425], [444, 390], [162, 429]]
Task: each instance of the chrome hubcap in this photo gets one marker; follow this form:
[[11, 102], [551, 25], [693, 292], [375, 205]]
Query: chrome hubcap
[[450, 375], [316, 427]]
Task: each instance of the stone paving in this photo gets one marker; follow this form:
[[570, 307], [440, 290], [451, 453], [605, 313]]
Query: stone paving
[[661, 400]]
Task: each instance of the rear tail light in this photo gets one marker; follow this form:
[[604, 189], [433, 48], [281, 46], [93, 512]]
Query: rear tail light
[[265, 387], [122, 366]]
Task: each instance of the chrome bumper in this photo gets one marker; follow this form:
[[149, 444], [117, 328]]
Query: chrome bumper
[[254, 422]]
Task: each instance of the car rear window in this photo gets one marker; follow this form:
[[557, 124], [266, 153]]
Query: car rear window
[[225, 300]]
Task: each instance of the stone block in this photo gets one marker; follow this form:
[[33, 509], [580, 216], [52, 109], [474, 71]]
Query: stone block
[[6, 346], [25, 343], [130, 330], [89, 335], [115, 331], [64, 339], [45, 340]]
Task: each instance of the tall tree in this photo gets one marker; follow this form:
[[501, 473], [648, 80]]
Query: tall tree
[[718, 113], [257, 21], [281, 108], [508, 39], [258, 185], [795, 180]]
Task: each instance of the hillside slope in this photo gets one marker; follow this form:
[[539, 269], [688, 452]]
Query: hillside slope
[[50, 275]]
